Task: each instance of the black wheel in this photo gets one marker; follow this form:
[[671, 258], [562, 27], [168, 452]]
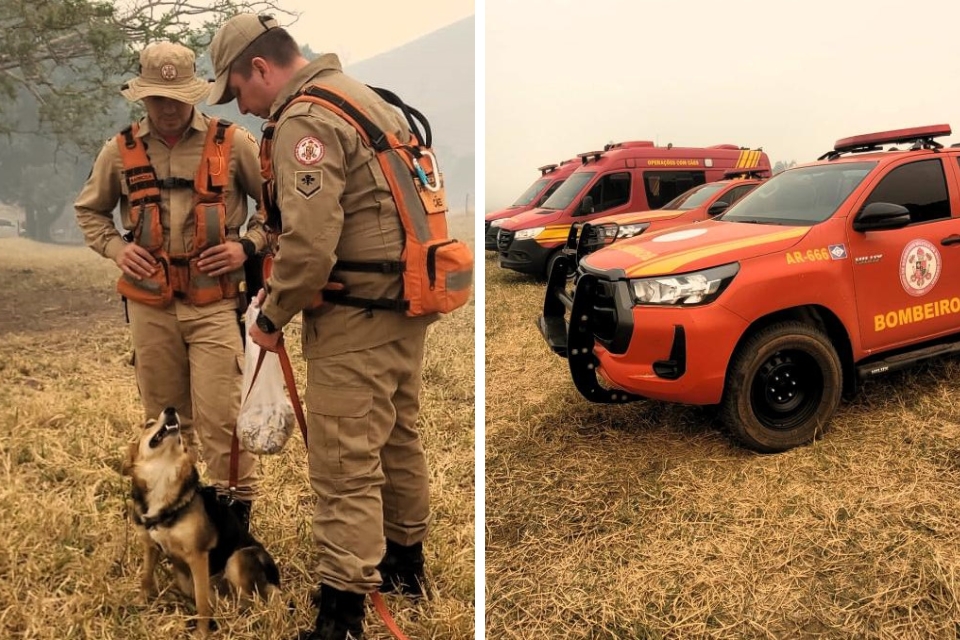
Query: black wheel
[[783, 386]]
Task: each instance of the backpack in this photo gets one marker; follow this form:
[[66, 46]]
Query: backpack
[[437, 270]]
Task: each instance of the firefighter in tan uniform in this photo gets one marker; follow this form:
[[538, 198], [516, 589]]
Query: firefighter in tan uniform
[[182, 258], [366, 461]]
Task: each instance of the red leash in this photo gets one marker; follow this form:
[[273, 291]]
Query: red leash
[[291, 382]]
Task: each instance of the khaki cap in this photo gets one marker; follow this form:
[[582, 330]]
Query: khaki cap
[[234, 36], [167, 70]]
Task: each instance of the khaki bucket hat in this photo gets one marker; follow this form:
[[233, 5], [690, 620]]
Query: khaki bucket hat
[[234, 36], [167, 70]]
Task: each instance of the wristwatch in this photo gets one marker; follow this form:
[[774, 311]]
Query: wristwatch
[[264, 324]]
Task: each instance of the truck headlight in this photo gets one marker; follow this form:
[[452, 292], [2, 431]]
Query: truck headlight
[[499, 222], [631, 230], [699, 287], [526, 234]]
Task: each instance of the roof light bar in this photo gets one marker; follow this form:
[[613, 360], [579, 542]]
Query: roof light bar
[[896, 136], [585, 157], [547, 168], [751, 172]]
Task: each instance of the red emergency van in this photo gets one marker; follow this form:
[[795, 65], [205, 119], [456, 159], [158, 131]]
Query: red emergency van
[[623, 177], [551, 177]]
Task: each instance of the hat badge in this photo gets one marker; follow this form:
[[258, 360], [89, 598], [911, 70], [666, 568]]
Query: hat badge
[[168, 72]]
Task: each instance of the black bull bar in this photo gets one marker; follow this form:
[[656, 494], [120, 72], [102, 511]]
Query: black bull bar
[[574, 339]]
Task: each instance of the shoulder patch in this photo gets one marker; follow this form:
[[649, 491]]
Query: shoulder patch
[[308, 182], [309, 150]]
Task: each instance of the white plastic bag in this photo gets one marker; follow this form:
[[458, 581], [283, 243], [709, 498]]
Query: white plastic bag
[[266, 414]]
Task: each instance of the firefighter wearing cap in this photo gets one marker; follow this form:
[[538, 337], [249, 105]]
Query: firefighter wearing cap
[[188, 352], [366, 461]]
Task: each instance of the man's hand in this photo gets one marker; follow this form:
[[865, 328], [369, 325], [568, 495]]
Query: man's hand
[[269, 341], [222, 259], [136, 262]]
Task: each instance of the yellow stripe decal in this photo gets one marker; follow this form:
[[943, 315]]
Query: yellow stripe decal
[[553, 232], [675, 262]]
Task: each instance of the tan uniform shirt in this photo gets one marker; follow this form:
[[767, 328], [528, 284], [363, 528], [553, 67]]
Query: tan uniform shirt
[[106, 186], [335, 204]]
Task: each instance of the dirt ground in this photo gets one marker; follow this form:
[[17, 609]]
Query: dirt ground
[[43, 310]]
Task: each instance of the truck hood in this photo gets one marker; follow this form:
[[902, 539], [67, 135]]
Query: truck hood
[[693, 247], [532, 218], [506, 212]]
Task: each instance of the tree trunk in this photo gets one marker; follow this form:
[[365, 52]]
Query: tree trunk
[[38, 223]]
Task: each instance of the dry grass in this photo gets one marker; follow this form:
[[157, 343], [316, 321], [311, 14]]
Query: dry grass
[[69, 559], [648, 521]]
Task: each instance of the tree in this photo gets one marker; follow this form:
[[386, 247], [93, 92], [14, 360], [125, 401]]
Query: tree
[[61, 66]]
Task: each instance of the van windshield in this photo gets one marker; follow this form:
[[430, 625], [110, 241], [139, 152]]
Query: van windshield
[[569, 190], [693, 197], [531, 192], [800, 197]]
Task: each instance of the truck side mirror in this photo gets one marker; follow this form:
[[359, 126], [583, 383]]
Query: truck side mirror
[[717, 208], [881, 215]]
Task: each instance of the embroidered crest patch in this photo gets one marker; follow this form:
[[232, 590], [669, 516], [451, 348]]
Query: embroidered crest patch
[[309, 150], [168, 72], [308, 182]]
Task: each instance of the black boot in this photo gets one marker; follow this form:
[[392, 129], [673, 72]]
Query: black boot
[[340, 616], [402, 570]]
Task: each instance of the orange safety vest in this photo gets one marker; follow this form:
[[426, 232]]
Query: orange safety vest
[[437, 271], [179, 277]]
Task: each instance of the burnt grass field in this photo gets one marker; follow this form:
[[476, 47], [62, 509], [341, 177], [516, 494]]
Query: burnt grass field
[[649, 521], [70, 558]]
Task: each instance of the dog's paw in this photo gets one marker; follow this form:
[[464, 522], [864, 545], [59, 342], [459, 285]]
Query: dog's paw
[[193, 624]]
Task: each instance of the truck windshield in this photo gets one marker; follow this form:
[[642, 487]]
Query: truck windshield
[[531, 192], [693, 197], [800, 197], [569, 190]]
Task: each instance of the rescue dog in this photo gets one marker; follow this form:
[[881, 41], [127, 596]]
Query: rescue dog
[[205, 542]]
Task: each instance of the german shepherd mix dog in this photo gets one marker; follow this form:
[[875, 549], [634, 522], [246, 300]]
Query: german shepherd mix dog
[[201, 536]]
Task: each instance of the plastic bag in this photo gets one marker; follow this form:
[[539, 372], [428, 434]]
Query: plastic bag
[[266, 416]]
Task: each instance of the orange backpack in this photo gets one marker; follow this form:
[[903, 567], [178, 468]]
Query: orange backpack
[[437, 270]]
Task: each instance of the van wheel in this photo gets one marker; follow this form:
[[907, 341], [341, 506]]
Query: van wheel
[[783, 386]]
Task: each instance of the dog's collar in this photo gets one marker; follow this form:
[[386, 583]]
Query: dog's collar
[[168, 515]]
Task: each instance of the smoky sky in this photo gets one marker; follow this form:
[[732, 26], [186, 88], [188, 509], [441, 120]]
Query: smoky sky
[[564, 77]]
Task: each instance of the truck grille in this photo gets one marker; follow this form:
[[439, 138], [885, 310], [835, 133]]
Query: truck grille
[[504, 238]]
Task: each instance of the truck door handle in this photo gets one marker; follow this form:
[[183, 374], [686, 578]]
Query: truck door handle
[[953, 238]]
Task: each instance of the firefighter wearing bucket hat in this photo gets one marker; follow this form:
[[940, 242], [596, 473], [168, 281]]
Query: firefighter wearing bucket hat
[[182, 180], [366, 461]]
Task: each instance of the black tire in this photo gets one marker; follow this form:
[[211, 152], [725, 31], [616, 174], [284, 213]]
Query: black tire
[[783, 386]]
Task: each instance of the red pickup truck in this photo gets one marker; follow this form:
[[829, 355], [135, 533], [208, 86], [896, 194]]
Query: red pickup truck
[[826, 274]]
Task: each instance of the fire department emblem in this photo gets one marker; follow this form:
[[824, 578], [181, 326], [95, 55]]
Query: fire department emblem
[[920, 267], [168, 72], [309, 150]]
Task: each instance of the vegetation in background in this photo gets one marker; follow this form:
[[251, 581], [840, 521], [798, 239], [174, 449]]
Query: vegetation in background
[[61, 65]]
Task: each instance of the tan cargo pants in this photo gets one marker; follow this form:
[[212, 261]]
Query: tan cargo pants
[[191, 358], [366, 462]]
